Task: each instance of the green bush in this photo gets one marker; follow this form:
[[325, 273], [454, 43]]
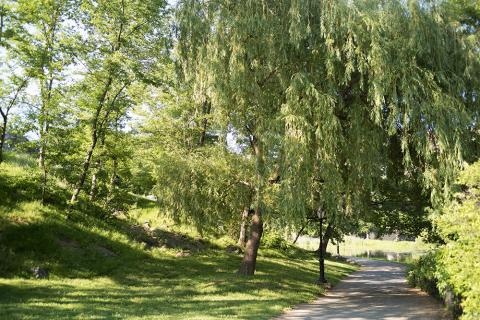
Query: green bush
[[422, 274], [453, 270], [459, 258], [275, 241]]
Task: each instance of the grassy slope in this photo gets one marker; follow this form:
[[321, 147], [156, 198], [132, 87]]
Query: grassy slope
[[135, 283]]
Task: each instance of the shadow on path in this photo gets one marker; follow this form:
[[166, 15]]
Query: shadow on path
[[378, 291]]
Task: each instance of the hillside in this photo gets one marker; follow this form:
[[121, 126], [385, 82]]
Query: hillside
[[102, 266]]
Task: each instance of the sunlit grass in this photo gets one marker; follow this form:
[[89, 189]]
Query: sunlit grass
[[353, 246], [135, 282], [165, 287]]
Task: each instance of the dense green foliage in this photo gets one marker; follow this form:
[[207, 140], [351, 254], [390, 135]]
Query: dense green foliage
[[454, 267], [243, 119]]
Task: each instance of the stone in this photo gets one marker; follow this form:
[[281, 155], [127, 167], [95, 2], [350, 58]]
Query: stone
[[233, 249], [146, 226], [39, 273], [105, 252], [183, 254]]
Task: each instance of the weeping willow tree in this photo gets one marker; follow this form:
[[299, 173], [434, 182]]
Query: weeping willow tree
[[239, 52], [320, 86], [372, 70]]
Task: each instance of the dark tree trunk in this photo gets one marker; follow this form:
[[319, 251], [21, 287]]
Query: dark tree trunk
[[326, 237], [5, 112], [44, 128], [4, 128], [2, 13], [206, 106], [247, 267], [93, 143], [96, 123], [3, 135], [85, 166], [299, 233], [243, 228]]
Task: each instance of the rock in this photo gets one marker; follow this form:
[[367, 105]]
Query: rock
[[68, 243], [233, 249], [146, 226], [183, 254], [39, 273], [105, 252]]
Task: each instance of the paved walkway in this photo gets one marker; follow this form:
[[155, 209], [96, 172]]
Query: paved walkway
[[377, 291]]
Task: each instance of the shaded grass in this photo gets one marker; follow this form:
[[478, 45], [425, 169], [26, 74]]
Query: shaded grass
[[200, 287], [134, 281]]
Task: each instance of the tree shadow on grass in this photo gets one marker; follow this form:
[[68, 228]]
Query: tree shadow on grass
[[178, 288], [65, 302], [145, 284]]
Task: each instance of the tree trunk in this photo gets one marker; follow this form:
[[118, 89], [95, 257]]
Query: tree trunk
[[6, 112], [327, 236], [44, 183], [94, 186], [85, 166], [206, 106], [2, 13], [46, 93], [299, 233], [243, 226], [247, 267], [2, 137], [113, 182], [93, 143]]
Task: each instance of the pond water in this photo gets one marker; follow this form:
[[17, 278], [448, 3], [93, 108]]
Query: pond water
[[390, 256]]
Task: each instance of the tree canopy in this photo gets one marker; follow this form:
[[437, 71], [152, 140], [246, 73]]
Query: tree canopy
[[255, 112]]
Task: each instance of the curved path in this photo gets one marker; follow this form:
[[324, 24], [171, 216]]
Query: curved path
[[377, 291]]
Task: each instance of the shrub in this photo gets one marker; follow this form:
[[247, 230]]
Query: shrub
[[459, 258], [275, 241], [422, 274], [453, 271]]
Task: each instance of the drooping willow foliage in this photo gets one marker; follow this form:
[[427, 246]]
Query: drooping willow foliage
[[372, 70], [324, 84]]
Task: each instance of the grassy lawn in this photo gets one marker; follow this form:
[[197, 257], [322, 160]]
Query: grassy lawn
[[102, 268], [196, 287]]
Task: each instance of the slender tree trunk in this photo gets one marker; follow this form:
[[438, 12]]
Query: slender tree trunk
[[43, 165], [2, 8], [299, 233], [93, 143], [243, 227], [247, 266], [85, 166], [44, 183], [6, 112], [113, 179], [44, 128], [3, 135], [327, 236], [94, 186], [206, 106]]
